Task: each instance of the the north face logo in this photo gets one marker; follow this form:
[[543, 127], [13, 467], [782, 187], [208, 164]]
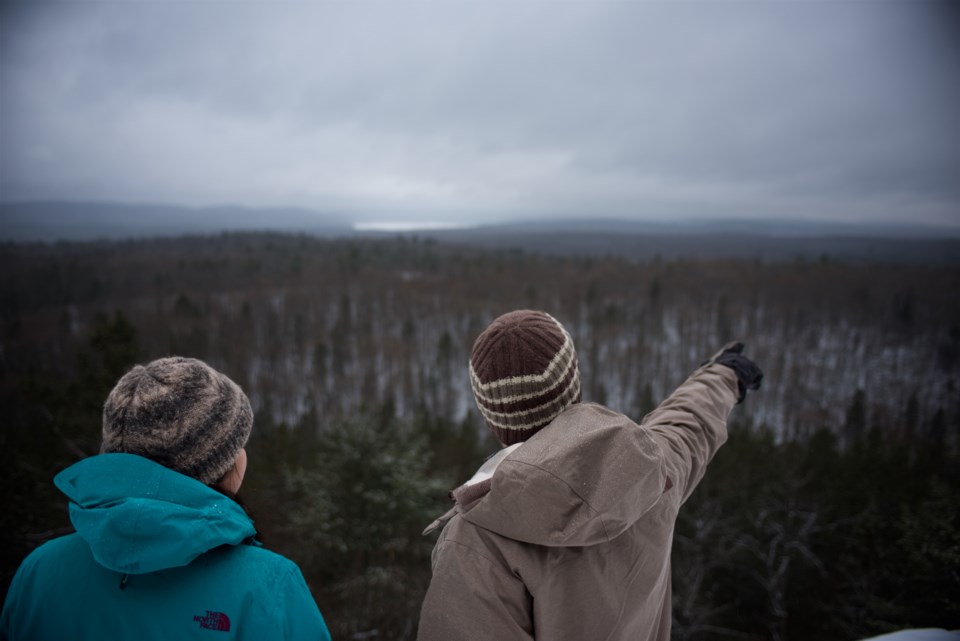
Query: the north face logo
[[213, 621]]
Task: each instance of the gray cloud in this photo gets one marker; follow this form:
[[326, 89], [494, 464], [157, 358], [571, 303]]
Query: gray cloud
[[646, 109]]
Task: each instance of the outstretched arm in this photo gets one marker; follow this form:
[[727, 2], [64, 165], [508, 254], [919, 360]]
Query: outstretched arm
[[691, 424]]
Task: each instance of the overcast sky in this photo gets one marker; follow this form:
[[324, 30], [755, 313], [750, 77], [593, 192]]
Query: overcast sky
[[492, 110]]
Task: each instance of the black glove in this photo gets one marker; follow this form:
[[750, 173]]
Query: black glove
[[748, 374]]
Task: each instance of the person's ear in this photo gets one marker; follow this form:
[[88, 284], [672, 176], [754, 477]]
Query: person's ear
[[233, 479]]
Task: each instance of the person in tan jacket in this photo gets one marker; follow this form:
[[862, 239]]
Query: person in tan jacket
[[565, 533]]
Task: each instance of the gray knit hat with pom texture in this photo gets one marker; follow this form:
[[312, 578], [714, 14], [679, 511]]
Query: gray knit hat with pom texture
[[180, 413]]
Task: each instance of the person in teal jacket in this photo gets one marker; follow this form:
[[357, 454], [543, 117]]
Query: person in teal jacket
[[161, 549]]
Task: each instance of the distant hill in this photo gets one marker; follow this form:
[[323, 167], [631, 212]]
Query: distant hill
[[79, 221], [644, 242], [760, 240], [766, 240], [757, 227]]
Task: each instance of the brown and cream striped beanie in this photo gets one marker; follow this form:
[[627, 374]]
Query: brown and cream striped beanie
[[180, 413], [523, 370]]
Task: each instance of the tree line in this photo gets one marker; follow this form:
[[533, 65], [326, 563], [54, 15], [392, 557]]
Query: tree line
[[831, 513]]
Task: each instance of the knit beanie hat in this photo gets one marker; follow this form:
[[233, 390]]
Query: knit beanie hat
[[523, 370], [180, 413]]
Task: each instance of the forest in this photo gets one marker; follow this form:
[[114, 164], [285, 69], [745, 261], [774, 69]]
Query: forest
[[833, 511]]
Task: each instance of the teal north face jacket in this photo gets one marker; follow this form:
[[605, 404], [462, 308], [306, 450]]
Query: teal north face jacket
[[156, 555]]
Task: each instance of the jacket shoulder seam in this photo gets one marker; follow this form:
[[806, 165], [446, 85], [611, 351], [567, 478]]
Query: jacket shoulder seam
[[492, 561], [468, 547]]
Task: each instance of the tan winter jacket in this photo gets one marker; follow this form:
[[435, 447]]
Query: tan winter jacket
[[567, 536]]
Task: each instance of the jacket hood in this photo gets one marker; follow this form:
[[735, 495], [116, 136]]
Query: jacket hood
[[582, 480], [138, 516]]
